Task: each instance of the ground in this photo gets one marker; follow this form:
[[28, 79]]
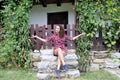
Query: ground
[[20, 74]]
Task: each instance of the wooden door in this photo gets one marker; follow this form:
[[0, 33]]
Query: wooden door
[[57, 18]]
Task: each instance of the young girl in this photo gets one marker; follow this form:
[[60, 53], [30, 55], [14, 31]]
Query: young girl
[[59, 49]]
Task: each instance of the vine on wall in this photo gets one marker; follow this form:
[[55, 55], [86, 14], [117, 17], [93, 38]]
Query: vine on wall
[[111, 32], [93, 14]]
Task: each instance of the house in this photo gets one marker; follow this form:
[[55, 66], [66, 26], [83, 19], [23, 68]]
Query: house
[[47, 13]]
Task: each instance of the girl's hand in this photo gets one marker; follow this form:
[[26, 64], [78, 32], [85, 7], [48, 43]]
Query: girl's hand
[[34, 36], [83, 33]]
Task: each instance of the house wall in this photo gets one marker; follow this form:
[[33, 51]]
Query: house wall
[[38, 14]]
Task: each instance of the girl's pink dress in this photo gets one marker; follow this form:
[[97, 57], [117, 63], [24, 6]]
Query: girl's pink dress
[[59, 42]]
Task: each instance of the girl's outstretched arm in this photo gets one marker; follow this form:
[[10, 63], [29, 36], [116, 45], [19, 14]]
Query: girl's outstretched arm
[[44, 40], [78, 36]]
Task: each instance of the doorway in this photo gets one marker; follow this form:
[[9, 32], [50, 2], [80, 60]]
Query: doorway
[[57, 18]]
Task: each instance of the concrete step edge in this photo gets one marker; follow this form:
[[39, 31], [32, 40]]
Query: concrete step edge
[[68, 74]]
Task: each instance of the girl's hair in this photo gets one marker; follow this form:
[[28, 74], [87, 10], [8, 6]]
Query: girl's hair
[[62, 32]]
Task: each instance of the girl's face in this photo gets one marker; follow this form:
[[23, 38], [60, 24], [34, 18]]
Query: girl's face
[[57, 29]]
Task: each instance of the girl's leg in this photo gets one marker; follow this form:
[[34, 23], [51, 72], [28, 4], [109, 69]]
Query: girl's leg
[[58, 64], [58, 67], [60, 55]]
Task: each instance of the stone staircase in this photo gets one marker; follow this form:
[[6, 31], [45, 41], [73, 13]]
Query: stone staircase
[[45, 64]]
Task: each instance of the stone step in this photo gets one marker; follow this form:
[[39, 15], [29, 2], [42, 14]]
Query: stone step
[[35, 64], [36, 57], [98, 61], [69, 57], [50, 51], [69, 74], [71, 64], [45, 66], [101, 52]]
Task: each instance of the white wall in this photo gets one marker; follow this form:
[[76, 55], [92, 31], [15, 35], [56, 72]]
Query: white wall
[[38, 14]]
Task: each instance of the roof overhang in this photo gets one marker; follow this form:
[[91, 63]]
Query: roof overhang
[[44, 3]]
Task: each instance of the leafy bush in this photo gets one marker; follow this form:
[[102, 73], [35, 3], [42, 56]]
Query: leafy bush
[[14, 49], [93, 14]]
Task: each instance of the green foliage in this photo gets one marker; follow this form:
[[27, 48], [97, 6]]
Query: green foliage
[[93, 14], [111, 32], [111, 35], [82, 51], [88, 20], [16, 45], [87, 17]]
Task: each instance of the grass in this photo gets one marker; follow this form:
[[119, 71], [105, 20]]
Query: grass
[[99, 75], [19, 74]]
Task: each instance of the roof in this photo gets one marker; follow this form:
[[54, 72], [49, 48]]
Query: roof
[[57, 2]]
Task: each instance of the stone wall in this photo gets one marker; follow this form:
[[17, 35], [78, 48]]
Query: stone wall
[[102, 60], [44, 62]]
